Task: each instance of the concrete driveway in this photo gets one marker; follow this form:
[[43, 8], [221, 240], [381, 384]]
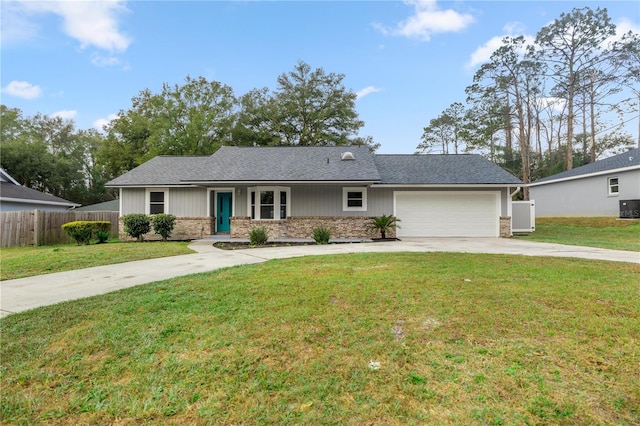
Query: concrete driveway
[[28, 293]]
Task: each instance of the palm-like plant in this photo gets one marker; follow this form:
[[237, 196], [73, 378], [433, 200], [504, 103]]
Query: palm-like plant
[[383, 224]]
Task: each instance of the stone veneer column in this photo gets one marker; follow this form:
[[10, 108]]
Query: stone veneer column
[[505, 226]]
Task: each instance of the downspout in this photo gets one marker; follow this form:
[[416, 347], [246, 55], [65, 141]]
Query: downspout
[[515, 192]]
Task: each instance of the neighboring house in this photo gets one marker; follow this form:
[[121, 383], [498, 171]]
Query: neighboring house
[[14, 196], [291, 190], [110, 206], [595, 189]]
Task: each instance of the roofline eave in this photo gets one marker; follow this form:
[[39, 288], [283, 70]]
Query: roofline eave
[[32, 201], [448, 185], [587, 175]]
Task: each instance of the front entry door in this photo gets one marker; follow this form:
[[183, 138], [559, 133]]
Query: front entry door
[[223, 212]]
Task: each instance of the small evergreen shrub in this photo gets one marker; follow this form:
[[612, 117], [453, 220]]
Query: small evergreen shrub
[[102, 236], [136, 225], [83, 230], [258, 236], [163, 224], [321, 234], [79, 230]]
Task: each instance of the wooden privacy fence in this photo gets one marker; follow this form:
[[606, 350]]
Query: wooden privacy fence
[[41, 227]]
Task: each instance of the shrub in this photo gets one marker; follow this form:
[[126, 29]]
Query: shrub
[[321, 234], [258, 236], [82, 230], [163, 224], [102, 236], [383, 224], [136, 225]]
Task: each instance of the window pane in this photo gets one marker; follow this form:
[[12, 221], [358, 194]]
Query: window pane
[[266, 212], [613, 181], [156, 197], [614, 189], [354, 199], [283, 212], [156, 208], [283, 198], [266, 197]]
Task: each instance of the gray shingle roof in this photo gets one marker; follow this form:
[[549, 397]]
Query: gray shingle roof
[[315, 164], [159, 171], [441, 169], [19, 192], [282, 164], [620, 161]]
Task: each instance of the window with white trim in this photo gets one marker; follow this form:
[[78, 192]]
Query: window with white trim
[[354, 199], [156, 200], [613, 185], [269, 203]]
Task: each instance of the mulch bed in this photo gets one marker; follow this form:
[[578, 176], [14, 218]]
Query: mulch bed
[[239, 245]]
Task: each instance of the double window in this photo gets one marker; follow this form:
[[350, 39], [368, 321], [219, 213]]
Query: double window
[[269, 202], [613, 185], [354, 199], [157, 200]]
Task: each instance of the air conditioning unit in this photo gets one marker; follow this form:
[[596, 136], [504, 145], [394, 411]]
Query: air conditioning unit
[[630, 209]]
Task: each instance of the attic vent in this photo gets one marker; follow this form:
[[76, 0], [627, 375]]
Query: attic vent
[[345, 156]]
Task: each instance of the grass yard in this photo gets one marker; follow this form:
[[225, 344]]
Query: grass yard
[[603, 232], [18, 262], [380, 339]]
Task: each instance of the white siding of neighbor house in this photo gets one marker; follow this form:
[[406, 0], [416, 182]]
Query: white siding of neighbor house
[[588, 196]]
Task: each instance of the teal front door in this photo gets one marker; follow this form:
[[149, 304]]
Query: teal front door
[[223, 212]]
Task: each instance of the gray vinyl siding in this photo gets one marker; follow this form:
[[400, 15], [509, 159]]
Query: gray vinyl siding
[[132, 200], [188, 202], [183, 202], [587, 196]]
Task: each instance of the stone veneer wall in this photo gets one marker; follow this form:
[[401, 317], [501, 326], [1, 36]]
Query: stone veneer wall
[[302, 227], [505, 226], [187, 228]]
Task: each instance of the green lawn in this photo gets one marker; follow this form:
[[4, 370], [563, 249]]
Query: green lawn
[[386, 339], [18, 262], [603, 232]]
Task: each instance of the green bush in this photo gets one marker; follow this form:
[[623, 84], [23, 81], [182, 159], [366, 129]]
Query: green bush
[[258, 236], [383, 224], [83, 230], [321, 234], [136, 225], [102, 236], [163, 224]]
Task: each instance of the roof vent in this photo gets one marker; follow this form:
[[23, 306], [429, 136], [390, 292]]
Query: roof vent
[[345, 156]]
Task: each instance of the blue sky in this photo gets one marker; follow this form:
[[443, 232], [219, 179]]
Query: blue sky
[[408, 61]]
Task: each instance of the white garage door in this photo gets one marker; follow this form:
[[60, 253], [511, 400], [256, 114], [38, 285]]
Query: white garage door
[[448, 214]]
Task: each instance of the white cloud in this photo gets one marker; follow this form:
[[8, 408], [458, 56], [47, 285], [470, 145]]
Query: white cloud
[[92, 23], [555, 104], [623, 26], [366, 91], [428, 19], [104, 61], [14, 25], [483, 53], [65, 114], [22, 89], [101, 122]]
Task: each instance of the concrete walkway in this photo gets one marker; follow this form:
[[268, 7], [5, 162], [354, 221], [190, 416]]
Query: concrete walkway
[[32, 292]]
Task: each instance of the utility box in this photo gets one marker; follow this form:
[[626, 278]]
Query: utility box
[[630, 209]]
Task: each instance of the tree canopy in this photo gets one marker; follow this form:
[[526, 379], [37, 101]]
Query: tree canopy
[[526, 104]]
